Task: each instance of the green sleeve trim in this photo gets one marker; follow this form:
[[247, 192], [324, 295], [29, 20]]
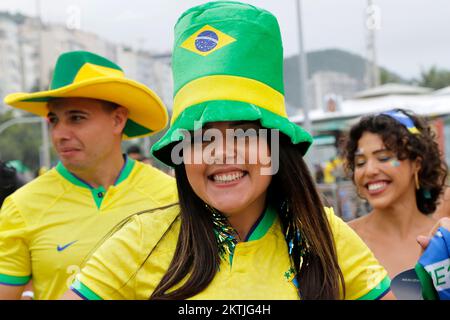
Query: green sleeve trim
[[378, 291], [86, 293], [13, 280], [428, 290]]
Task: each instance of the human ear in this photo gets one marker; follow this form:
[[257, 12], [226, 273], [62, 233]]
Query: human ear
[[120, 117]]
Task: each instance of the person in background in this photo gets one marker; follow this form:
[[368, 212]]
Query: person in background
[[135, 152], [51, 224], [9, 181], [395, 163]]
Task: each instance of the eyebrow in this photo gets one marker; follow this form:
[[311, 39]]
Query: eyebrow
[[359, 153], [69, 112]]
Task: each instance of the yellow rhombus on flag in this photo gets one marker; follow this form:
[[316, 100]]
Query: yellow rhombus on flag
[[207, 40]]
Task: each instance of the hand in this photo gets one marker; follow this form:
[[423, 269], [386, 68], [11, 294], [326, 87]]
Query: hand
[[425, 240]]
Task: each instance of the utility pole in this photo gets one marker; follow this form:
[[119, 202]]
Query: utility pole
[[373, 17], [303, 71], [303, 77], [45, 148]]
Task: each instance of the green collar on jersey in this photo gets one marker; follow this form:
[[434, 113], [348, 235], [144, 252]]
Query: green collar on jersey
[[99, 192], [262, 225]]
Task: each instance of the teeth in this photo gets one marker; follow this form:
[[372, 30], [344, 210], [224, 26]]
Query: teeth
[[228, 177], [376, 186]]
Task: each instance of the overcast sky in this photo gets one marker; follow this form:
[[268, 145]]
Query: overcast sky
[[412, 34]]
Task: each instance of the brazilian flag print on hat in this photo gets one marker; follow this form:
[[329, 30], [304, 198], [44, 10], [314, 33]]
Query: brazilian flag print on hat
[[81, 74], [227, 66]]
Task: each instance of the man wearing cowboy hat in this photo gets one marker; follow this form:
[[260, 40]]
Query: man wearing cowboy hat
[[50, 225]]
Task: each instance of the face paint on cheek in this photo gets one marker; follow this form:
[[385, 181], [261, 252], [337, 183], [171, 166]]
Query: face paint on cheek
[[395, 163]]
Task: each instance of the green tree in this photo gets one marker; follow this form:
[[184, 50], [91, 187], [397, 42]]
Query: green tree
[[389, 77], [20, 142], [435, 78]]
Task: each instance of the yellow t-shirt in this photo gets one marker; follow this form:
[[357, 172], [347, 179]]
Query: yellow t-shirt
[[132, 262], [49, 226]]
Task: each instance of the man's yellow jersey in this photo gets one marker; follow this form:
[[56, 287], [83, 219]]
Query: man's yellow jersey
[[51, 224], [131, 263]]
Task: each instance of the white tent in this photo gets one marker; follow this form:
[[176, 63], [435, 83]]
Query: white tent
[[427, 105]]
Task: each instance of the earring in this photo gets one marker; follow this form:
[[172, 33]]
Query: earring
[[416, 179]]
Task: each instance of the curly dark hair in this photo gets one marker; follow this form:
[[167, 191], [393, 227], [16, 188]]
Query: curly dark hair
[[406, 145]]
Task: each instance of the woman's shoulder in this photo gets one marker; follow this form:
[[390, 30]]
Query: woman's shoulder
[[155, 224], [358, 223], [335, 221], [158, 218]]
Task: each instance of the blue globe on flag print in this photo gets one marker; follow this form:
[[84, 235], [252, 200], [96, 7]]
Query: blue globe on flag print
[[206, 41]]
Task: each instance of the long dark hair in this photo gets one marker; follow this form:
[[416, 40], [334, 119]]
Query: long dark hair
[[196, 259]]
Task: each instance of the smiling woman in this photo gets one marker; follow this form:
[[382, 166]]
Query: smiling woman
[[396, 165], [241, 230]]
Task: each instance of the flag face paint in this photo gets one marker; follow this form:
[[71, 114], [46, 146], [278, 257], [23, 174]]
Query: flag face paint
[[395, 163]]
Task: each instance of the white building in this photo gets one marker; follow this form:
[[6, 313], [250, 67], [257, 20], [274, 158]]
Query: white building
[[29, 50], [325, 84], [152, 70], [29, 54], [57, 39], [10, 63]]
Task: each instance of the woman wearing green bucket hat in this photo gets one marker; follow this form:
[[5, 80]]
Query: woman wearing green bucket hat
[[250, 223]]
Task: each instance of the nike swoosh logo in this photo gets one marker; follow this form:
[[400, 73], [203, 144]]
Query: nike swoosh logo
[[59, 248]]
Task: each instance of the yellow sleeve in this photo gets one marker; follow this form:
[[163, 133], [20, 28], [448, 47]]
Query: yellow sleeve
[[15, 265], [109, 272], [364, 277]]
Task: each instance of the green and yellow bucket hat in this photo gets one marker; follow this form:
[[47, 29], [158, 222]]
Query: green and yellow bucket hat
[[81, 74], [227, 66]]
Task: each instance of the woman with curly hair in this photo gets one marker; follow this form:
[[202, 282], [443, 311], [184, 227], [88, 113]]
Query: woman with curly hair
[[395, 164]]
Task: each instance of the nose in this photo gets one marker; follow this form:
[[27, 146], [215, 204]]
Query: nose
[[224, 151], [371, 168], [59, 132]]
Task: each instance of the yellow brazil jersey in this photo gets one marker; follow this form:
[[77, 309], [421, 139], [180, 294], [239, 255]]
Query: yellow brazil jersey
[[130, 264], [51, 224]]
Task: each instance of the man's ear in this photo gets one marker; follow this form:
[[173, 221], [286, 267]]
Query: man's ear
[[120, 117]]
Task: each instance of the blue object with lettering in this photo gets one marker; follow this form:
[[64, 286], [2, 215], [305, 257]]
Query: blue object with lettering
[[433, 268]]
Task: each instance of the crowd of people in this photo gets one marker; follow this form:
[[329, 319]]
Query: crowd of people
[[242, 206]]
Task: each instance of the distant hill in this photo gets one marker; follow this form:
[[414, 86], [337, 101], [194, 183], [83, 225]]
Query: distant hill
[[327, 60]]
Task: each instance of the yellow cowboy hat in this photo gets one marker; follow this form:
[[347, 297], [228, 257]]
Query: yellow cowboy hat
[[83, 74]]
